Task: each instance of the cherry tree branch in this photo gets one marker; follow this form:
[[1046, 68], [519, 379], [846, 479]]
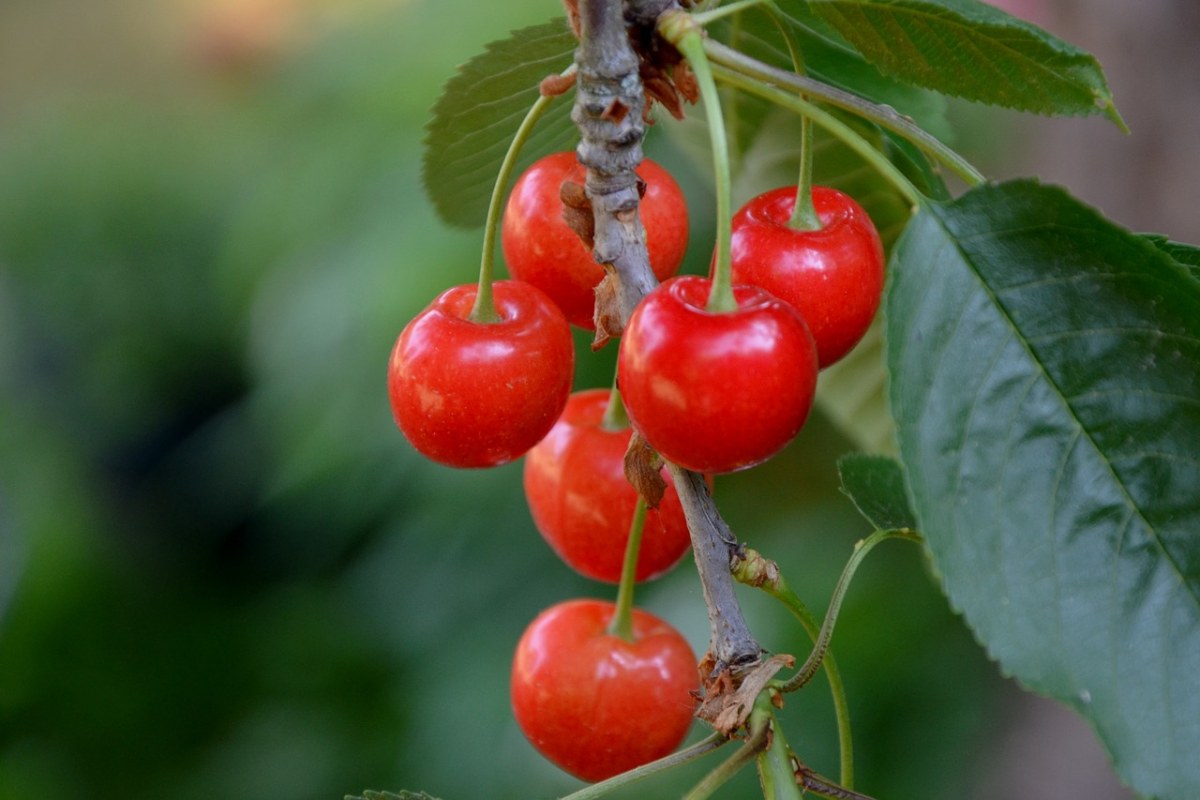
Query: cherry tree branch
[[609, 102], [608, 111]]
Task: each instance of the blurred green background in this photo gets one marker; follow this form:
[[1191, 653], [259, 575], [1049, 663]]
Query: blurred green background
[[223, 573]]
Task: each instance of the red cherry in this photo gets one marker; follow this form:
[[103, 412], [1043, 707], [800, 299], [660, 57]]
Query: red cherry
[[716, 392], [541, 249], [833, 276], [595, 704], [583, 505], [470, 394]]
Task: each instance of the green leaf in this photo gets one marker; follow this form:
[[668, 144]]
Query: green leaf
[[404, 795], [1043, 374], [969, 49], [876, 486], [479, 111], [829, 58], [1185, 255]]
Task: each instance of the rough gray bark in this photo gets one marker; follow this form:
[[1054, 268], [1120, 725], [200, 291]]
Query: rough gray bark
[[608, 112]]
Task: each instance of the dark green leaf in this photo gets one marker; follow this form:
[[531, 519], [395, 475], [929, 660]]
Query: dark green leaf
[[481, 108], [876, 486], [1043, 373], [403, 795], [1184, 254], [969, 49], [829, 58]]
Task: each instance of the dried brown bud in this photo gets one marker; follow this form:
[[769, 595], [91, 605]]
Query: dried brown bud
[[730, 692], [577, 212], [607, 314], [642, 469]]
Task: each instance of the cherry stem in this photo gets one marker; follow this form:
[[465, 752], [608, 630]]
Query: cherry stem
[[484, 310], [681, 30], [615, 418], [754, 570], [821, 646], [804, 214], [776, 772], [759, 730], [622, 621], [853, 140], [707, 17], [699, 749], [821, 787], [883, 116]]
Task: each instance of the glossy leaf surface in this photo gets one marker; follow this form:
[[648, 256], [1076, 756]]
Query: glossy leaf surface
[[1043, 378]]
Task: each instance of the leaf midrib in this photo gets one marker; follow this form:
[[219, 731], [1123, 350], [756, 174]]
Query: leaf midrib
[[1129, 502]]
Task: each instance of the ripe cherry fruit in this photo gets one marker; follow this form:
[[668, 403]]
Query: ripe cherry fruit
[[716, 392], [595, 704], [541, 249], [833, 276], [582, 504], [473, 394]]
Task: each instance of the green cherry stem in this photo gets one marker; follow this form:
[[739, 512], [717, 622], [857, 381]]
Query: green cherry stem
[[823, 787], [754, 570], [708, 17], [821, 646], [776, 774], [484, 310], [615, 418], [804, 214], [688, 754], [759, 726], [830, 123], [678, 28], [883, 116], [622, 621]]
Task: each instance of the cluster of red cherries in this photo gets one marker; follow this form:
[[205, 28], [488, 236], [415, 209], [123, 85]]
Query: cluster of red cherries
[[480, 384]]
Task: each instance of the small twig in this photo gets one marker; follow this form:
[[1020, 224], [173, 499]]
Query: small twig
[[609, 100], [713, 545]]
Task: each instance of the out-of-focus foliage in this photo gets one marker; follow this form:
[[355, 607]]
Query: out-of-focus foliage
[[223, 574]]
